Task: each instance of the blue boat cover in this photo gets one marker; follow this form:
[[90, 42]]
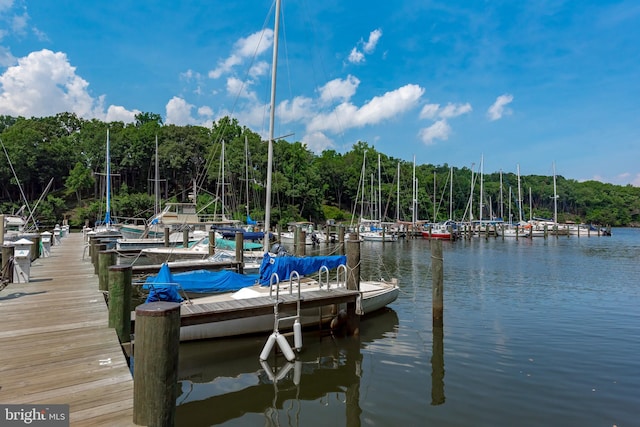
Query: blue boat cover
[[160, 288], [198, 281], [284, 265]]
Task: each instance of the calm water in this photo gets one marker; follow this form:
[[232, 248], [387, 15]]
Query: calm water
[[536, 333]]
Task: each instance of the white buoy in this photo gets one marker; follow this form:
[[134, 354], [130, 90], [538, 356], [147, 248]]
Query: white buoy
[[297, 335], [268, 346], [285, 348]]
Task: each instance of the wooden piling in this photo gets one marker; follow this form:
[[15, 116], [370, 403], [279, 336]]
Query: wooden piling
[[212, 242], [155, 376], [240, 251], [120, 300], [106, 259], [97, 248], [166, 235], [437, 282], [341, 246], [301, 243], [7, 254], [185, 238]]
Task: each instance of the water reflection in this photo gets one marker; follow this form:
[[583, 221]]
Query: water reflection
[[437, 366], [223, 380]]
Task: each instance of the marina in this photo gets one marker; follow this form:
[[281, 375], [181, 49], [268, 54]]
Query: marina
[[529, 325]]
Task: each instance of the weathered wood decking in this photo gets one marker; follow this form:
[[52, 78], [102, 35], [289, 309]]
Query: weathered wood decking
[[55, 345]]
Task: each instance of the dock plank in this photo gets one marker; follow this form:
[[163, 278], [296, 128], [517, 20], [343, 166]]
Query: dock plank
[[56, 344]]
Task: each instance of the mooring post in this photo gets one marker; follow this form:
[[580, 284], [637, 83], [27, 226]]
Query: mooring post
[[106, 259], [120, 300], [240, 251], [155, 376], [166, 235], [353, 282], [437, 279], [7, 254], [185, 238], [301, 243], [212, 242], [341, 250], [97, 248]]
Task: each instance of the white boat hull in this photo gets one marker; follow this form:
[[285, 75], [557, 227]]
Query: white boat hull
[[375, 295]]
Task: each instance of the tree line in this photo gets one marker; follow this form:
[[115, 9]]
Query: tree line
[[226, 165]]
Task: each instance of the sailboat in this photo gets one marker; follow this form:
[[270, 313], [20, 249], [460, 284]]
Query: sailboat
[[374, 294], [107, 228], [372, 230]]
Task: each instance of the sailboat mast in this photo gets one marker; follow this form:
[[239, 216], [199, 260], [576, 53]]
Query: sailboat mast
[[222, 179], [519, 196], [501, 198], [414, 201], [555, 196], [481, 187], [274, 65], [156, 187], [364, 161], [107, 215], [434, 197], [379, 193], [246, 173], [398, 196], [451, 193]]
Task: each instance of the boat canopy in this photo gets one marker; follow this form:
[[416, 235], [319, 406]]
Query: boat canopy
[[284, 265]]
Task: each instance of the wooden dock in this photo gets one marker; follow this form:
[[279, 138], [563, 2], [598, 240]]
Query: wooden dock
[[55, 345]]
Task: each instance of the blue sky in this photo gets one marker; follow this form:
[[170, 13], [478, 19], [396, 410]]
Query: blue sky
[[525, 83]]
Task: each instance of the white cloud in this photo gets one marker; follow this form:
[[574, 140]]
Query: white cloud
[[379, 108], [258, 69], [244, 48], [19, 23], [370, 45], [433, 111], [317, 142], [497, 110], [238, 88], [429, 111], [301, 108], [356, 56], [454, 110], [6, 57], [44, 83], [205, 111], [179, 112], [438, 130], [117, 113], [342, 89]]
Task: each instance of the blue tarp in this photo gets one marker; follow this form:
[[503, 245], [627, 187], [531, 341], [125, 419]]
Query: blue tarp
[[161, 289], [284, 265], [197, 281]]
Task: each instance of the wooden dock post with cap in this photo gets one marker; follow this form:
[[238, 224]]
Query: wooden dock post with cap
[[155, 377], [120, 300]]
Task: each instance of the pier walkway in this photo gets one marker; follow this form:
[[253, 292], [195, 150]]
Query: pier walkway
[[55, 345]]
